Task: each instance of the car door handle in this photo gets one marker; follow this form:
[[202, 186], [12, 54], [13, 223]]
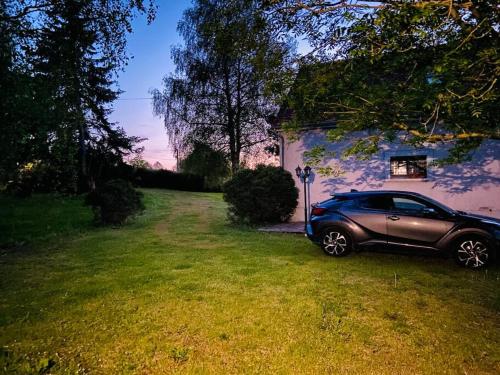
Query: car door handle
[[393, 217]]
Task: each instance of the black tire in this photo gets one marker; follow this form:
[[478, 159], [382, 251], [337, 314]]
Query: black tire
[[336, 242], [472, 251]]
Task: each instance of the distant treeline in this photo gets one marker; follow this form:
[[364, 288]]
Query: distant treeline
[[42, 179], [155, 178]]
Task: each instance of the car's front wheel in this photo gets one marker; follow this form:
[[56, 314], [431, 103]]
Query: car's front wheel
[[336, 242], [472, 252]]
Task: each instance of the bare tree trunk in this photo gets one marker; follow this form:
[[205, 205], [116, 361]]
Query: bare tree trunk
[[83, 182], [238, 118], [234, 150]]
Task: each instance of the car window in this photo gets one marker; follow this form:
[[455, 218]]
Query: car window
[[408, 205], [375, 202]]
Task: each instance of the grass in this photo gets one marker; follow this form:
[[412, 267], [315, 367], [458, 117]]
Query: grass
[[41, 218], [181, 291]]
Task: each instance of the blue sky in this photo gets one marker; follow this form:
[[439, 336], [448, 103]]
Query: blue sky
[[150, 47]]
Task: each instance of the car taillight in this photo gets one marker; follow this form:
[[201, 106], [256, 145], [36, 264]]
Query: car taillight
[[318, 211]]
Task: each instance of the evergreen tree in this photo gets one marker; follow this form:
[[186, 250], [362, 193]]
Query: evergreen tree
[[58, 62], [24, 119], [80, 80]]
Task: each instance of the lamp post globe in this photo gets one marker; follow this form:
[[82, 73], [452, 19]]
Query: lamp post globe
[[307, 171]]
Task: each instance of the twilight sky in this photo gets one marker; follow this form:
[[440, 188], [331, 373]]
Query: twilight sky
[[150, 47]]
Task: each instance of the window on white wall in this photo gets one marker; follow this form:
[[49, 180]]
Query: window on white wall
[[414, 166]]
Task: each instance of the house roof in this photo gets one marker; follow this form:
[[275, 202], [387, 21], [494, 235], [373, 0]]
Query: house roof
[[286, 114]]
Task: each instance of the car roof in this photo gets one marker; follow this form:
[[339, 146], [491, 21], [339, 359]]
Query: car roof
[[354, 194], [358, 194]]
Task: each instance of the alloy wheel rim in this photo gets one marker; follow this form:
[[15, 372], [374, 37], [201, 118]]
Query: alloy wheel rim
[[472, 253], [335, 243]]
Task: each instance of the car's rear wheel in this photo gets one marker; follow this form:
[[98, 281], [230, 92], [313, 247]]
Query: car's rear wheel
[[472, 252], [336, 242]]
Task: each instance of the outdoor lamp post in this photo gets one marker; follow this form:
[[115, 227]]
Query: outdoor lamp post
[[307, 171], [298, 172], [303, 174]]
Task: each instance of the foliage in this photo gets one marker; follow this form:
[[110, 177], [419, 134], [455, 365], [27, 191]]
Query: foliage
[[261, 195], [426, 71], [165, 179], [138, 161], [114, 202], [208, 163], [26, 180], [149, 178], [230, 69], [246, 292], [41, 177], [58, 63], [25, 121], [314, 158], [105, 155]]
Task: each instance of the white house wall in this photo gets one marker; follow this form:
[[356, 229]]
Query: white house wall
[[473, 186]]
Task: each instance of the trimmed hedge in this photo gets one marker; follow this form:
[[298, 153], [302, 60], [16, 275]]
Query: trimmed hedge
[[167, 180], [43, 179], [160, 179], [266, 194]]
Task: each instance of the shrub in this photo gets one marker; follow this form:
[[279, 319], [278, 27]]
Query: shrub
[[19, 188], [264, 195], [26, 180], [115, 201], [42, 177]]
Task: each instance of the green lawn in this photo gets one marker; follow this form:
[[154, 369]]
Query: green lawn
[[179, 290]]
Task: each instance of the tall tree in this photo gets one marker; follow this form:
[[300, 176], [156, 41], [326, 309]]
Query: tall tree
[[220, 94], [24, 127], [427, 69], [66, 56], [80, 79], [204, 161]]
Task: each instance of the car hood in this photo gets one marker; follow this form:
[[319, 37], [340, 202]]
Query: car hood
[[482, 218]]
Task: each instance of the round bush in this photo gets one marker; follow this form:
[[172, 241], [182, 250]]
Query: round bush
[[115, 201], [266, 194]]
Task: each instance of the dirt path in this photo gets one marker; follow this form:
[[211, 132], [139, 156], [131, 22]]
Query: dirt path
[[188, 216]]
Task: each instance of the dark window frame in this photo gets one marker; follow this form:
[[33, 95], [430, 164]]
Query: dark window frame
[[415, 165]]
